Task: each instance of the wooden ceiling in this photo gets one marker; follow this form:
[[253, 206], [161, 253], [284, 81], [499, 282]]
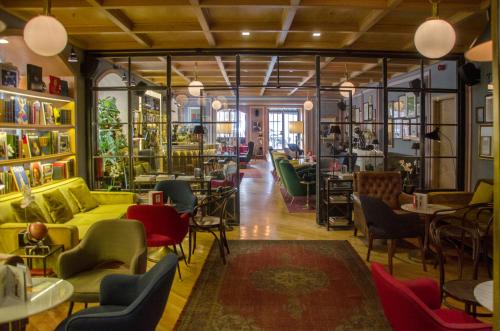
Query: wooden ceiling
[[385, 25]]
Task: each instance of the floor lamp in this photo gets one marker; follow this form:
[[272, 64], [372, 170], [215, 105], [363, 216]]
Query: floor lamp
[[436, 136], [296, 127]]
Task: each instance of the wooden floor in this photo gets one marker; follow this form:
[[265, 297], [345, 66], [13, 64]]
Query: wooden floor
[[263, 216]]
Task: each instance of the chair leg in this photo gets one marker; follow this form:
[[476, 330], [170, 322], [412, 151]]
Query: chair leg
[[370, 246], [355, 231], [190, 238], [183, 255], [70, 310], [178, 265], [422, 252], [86, 305], [291, 203], [221, 247], [391, 247], [224, 239]]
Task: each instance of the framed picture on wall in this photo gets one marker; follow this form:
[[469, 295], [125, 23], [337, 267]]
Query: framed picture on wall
[[414, 128], [402, 106], [406, 129], [390, 110], [485, 141], [366, 115], [411, 110], [488, 109], [398, 129], [479, 114], [395, 109]]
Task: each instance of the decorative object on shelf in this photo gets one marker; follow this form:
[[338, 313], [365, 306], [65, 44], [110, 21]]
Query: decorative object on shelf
[[435, 37], [10, 74], [347, 88], [34, 73], [73, 57], [44, 34], [482, 48], [55, 85], [407, 169], [486, 141], [195, 86], [64, 88]]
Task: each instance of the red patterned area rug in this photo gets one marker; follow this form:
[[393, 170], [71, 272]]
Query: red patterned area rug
[[251, 172], [298, 202], [284, 285]]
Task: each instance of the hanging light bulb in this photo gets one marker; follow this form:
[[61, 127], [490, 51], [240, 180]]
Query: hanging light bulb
[[435, 37], [45, 35], [216, 104], [308, 104], [347, 86], [73, 58], [195, 86]]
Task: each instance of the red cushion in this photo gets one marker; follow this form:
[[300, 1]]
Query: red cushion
[[455, 316], [158, 240]]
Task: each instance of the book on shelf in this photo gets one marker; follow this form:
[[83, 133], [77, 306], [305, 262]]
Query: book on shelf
[[48, 114], [54, 85], [4, 154], [20, 177], [7, 180], [14, 146], [33, 143], [36, 173], [62, 169], [47, 171], [21, 110], [63, 143], [45, 138], [34, 73]]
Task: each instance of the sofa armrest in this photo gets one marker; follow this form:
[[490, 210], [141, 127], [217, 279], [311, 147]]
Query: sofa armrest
[[359, 216], [114, 198], [119, 290], [59, 234], [450, 198], [426, 290]]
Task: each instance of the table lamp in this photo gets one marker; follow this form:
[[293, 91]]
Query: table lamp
[[296, 127], [416, 147]]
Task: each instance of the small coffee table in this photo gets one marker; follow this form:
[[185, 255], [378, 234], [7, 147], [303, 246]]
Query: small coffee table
[[40, 255], [45, 294], [483, 293], [307, 183], [426, 214]]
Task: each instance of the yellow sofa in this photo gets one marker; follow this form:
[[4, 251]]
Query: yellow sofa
[[112, 205]]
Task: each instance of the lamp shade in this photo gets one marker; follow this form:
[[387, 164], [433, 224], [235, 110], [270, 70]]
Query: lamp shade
[[334, 129], [415, 146], [482, 48], [296, 127], [224, 128], [434, 38], [308, 105], [199, 129], [195, 88], [216, 104], [45, 35], [346, 87], [433, 135], [3, 26]]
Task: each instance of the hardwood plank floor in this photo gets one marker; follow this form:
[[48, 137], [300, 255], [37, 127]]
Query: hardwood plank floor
[[263, 216]]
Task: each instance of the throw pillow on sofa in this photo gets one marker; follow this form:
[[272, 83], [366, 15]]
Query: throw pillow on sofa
[[32, 213], [483, 194], [58, 207], [83, 198]]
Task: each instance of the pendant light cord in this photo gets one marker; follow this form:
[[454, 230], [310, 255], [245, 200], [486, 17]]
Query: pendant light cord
[[435, 7], [48, 6], [346, 75]]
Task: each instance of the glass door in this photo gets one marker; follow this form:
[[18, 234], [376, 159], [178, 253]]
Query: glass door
[[280, 134]]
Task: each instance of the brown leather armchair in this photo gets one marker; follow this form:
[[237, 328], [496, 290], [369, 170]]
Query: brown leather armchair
[[385, 185]]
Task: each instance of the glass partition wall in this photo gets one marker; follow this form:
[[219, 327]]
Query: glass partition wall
[[167, 114]]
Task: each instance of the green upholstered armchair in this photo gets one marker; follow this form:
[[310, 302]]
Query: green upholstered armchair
[[109, 247], [291, 180]]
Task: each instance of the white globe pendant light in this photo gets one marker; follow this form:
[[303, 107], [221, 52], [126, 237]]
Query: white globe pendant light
[[195, 88], [435, 37], [308, 105], [45, 35], [347, 86], [216, 104]]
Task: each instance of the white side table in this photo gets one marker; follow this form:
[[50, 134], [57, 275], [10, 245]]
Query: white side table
[[483, 293]]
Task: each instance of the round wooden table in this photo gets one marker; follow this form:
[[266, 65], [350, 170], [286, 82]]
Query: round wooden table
[[45, 294], [484, 294]]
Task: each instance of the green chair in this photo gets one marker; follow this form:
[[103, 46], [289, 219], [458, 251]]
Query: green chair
[[291, 180], [109, 247]]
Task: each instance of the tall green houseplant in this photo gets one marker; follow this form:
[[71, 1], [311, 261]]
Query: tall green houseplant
[[112, 143]]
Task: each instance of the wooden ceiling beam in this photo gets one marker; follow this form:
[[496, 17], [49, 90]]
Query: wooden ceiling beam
[[370, 20], [202, 19], [312, 73], [287, 20], [268, 74], [122, 21], [223, 72]]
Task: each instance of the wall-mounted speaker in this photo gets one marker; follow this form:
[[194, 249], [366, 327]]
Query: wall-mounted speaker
[[469, 74], [416, 83]]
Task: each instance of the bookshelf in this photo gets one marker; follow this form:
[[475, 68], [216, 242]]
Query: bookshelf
[[37, 138]]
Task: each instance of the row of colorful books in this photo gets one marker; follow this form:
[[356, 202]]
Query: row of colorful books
[[33, 144], [20, 110], [16, 177]]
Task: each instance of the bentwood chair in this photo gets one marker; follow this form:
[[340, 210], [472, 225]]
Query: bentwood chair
[[128, 302], [415, 305], [384, 223], [210, 216], [164, 226], [109, 247]]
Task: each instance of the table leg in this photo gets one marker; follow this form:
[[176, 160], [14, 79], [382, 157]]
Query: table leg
[[307, 201]]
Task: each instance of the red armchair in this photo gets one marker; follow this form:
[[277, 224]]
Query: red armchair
[[164, 226], [416, 305]]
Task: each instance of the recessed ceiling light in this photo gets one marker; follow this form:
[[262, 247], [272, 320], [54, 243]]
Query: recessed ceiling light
[[316, 34], [245, 33], [4, 41]]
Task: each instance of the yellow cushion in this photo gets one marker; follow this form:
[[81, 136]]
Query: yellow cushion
[[59, 209], [83, 198], [483, 194], [32, 213]]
